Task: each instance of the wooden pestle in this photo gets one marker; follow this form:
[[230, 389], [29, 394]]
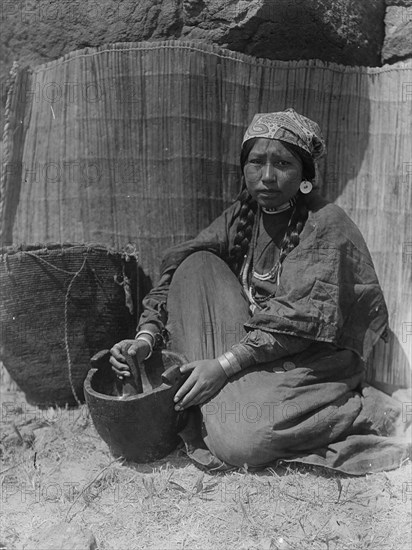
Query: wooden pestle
[[138, 382], [130, 385]]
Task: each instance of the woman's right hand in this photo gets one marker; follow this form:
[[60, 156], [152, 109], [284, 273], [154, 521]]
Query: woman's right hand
[[139, 349]]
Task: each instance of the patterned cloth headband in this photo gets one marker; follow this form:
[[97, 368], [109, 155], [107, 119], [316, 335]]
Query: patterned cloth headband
[[288, 126]]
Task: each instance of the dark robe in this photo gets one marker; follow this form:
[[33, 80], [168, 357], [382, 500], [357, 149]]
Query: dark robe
[[301, 397]]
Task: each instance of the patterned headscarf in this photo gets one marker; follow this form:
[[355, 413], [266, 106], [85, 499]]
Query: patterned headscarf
[[288, 126]]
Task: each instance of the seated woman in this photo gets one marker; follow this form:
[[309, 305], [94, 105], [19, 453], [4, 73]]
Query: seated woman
[[276, 306]]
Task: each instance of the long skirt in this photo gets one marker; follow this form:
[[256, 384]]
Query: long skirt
[[312, 407]]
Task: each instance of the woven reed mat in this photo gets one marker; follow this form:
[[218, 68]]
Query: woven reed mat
[[60, 304], [140, 142]]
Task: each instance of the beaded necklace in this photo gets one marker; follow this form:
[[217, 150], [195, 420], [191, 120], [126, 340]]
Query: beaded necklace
[[281, 208], [248, 270]]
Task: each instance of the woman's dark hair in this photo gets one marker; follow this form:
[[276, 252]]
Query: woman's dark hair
[[249, 206]]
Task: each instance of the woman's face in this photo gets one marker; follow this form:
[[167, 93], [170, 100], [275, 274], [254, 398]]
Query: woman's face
[[272, 173]]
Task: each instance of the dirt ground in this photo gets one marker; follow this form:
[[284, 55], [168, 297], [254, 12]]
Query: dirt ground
[[56, 468]]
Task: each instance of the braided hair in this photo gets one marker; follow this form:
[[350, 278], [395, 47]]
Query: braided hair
[[248, 210], [246, 216]]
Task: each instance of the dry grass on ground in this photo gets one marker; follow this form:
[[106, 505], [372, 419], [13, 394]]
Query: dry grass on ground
[[55, 468]]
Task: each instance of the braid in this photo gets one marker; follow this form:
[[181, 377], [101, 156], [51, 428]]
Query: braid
[[296, 225], [243, 231]]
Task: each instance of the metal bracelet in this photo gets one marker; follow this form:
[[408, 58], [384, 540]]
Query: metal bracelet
[[142, 336], [224, 363], [229, 363], [141, 332], [234, 363], [158, 338]]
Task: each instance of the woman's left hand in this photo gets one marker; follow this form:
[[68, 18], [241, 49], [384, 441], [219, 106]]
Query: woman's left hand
[[206, 379]]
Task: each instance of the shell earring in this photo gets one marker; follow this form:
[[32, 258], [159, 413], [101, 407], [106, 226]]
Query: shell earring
[[305, 187]]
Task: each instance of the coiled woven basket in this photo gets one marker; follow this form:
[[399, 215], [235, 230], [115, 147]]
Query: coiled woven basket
[[59, 305]]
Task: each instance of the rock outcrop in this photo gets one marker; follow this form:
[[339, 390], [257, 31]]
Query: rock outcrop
[[397, 45], [343, 31]]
